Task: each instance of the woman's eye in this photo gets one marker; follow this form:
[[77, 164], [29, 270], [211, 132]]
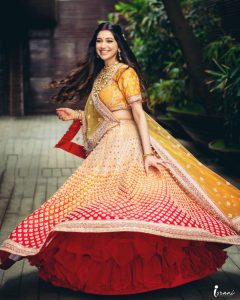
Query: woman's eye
[[99, 41]]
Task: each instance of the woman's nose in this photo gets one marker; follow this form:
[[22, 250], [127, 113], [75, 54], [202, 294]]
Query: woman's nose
[[103, 45]]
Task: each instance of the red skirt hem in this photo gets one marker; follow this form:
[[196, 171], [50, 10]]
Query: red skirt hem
[[120, 263]]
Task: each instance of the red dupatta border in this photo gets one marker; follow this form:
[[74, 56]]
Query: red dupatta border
[[68, 145]]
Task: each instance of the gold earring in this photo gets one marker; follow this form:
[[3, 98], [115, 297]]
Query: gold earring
[[119, 55]]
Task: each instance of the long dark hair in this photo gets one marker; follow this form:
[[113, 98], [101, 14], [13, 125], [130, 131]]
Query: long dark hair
[[77, 84]]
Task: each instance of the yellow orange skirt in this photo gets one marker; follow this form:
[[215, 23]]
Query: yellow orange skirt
[[110, 229]]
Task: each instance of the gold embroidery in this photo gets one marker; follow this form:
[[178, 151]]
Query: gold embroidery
[[108, 121], [190, 186], [134, 98], [165, 230]]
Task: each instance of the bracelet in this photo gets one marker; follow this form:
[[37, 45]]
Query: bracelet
[[78, 115], [148, 154]]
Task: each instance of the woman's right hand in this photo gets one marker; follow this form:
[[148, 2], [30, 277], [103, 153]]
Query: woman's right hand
[[65, 114]]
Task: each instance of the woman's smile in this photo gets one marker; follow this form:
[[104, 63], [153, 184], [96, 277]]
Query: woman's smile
[[104, 51]]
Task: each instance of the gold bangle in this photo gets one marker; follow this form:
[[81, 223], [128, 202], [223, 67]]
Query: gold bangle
[[148, 154], [75, 115], [78, 114]]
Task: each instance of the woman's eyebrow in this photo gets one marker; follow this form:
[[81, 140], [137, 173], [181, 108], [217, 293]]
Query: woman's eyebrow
[[108, 38]]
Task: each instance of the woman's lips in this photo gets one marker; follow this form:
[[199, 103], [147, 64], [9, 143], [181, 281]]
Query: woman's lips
[[104, 52]]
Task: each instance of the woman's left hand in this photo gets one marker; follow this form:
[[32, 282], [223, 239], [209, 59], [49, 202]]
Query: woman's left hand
[[153, 161]]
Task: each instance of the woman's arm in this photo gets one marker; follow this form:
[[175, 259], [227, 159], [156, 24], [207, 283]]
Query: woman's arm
[[67, 114], [130, 86], [141, 121]]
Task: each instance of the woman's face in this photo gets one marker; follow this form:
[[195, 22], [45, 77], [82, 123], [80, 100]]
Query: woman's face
[[106, 45]]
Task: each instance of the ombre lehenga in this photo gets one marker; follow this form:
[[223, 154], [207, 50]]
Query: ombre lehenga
[[110, 228]]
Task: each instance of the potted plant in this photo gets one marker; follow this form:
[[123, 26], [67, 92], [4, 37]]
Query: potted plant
[[226, 81]]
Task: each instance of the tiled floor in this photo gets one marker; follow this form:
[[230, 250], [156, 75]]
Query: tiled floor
[[31, 170]]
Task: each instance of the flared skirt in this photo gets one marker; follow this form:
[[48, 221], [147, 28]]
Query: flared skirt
[[111, 229]]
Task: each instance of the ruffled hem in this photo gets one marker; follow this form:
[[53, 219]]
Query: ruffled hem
[[118, 263]]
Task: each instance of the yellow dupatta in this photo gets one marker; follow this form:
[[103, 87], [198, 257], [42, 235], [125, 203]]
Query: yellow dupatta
[[205, 186]]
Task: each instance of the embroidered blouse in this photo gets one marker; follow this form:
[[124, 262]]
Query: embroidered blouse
[[123, 90]]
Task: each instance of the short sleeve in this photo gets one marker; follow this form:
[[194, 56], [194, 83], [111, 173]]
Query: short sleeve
[[129, 84]]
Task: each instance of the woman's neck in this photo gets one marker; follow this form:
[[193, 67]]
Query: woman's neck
[[110, 63]]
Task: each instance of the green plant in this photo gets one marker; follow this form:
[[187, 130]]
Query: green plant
[[224, 50], [204, 19], [225, 80], [150, 33], [166, 91]]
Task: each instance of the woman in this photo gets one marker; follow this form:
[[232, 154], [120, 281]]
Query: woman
[[141, 212]]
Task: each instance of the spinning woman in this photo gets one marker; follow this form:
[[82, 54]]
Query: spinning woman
[[141, 212]]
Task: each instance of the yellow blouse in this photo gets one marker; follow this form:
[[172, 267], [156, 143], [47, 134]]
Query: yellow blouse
[[123, 90]]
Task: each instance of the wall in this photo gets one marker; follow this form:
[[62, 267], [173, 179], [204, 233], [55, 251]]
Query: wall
[[55, 52]]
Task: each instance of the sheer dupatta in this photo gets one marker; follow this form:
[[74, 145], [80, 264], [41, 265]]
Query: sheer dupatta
[[82, 136]]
